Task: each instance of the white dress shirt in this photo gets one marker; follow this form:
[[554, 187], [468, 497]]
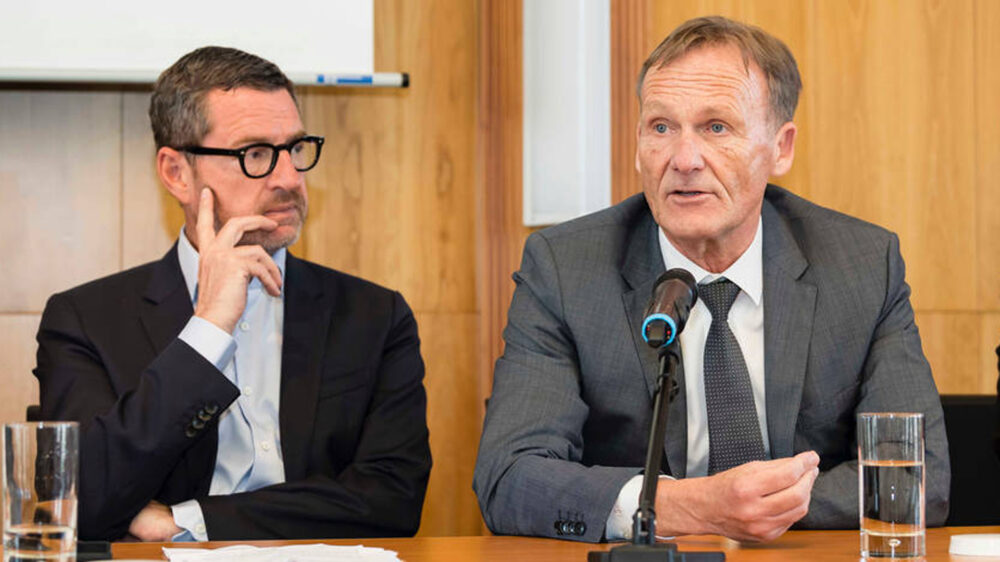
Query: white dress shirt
[[249, 452], [746, 320]]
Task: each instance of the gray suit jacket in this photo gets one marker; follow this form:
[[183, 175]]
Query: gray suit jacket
[[569, 417]]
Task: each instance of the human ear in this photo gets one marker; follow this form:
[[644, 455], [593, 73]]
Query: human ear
[[177, 175], [784, 148]]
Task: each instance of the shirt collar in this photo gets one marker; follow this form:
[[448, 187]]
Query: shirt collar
[[747, 272], [188, 258]]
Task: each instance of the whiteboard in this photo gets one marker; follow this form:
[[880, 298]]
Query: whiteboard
[[133, 41]]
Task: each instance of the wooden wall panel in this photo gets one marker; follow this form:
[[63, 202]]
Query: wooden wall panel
[[60, 182], [453, 413], [393, 200], [630, 45], [17, 359], [952, 344], [501, 232], [987, 134], [893, 116], [989, 339]]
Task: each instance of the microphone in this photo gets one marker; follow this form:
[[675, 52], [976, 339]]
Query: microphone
[[674, 293]]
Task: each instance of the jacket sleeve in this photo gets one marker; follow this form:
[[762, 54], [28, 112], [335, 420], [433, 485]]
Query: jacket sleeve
[[895, 377], [529, 475], [130, 439], [379, 493]]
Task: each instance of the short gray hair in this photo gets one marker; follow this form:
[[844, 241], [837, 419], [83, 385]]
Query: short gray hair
[[772, 56], [176, 110]]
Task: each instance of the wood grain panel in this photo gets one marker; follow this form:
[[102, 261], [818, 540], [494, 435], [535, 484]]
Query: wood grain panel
[[17, 359], [951, 342], [151, 218], [892, 120], [630, 22], [501, 232], [448, 345], [987, 189], [989, 339], [60, 165], [394, 198]]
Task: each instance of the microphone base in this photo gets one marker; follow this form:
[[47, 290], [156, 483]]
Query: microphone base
[[659, 552]]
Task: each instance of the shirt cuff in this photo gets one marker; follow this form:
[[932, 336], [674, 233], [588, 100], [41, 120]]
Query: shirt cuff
[[188, 516], [210, 341], [619, 524]]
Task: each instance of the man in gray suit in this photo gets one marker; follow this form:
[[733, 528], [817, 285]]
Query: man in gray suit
[[814, 325]]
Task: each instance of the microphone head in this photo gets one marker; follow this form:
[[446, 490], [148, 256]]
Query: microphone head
[[659, 330], [674, 293]]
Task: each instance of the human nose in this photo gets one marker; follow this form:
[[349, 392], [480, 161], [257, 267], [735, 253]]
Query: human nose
[[687, 155], [285, 175]]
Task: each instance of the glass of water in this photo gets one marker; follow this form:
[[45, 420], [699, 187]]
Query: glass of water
[[39, 491], [891, 484]]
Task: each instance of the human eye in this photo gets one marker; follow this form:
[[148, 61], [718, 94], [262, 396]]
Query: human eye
[[660, 128], [258, 153], [717, 128]]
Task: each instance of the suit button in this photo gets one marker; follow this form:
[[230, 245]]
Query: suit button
[[579, 528], [203, 415], [190, 432], [558, 526], [197, 424], [566, 528], [211, 409]]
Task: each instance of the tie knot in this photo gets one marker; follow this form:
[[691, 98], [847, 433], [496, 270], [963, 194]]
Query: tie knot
[[718, 296]]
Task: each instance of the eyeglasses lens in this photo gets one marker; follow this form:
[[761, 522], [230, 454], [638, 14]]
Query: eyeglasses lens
[[258, 159], [304, 154]]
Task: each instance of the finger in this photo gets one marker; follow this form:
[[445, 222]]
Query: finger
[[258, 270], [205, 223], [790, 499], [258, 254], [231, 232], [776, 475]]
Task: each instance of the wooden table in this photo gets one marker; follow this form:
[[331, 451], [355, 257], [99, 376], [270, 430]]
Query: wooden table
[[808, 546]]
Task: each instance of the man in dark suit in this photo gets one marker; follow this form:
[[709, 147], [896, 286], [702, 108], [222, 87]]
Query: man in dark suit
[[803, 321], [231, 390]]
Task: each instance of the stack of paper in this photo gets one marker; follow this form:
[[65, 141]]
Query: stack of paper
[[293, 553]]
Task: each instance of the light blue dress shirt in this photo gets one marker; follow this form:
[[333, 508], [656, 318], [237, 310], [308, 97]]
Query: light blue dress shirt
[[249, 453]]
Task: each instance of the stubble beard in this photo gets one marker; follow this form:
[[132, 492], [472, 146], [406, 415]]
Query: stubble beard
[[270, 241]]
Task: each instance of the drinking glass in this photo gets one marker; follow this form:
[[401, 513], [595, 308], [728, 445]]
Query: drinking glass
[[40, 491], [891, 484]]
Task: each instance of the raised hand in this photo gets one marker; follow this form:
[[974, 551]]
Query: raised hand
[[225, 269]]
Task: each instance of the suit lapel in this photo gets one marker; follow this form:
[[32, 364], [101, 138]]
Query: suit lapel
[[642, 265], [789, 305], [166, 305], [306, 324]]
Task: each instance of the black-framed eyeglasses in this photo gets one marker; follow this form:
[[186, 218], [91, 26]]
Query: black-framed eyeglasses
[[258, 160]]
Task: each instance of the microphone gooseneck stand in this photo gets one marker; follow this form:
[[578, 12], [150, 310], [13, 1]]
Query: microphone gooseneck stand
[[644, 547]]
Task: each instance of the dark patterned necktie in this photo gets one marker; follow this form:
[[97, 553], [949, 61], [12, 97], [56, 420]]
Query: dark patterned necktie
[[733, 430]]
